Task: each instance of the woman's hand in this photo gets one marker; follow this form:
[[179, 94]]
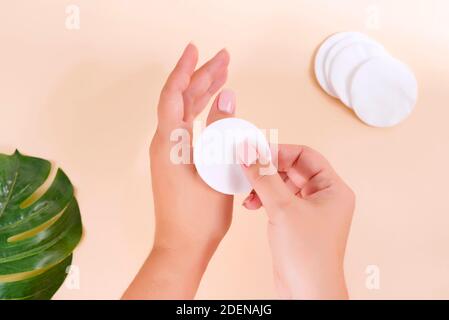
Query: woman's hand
[[310, 211], [191, 218]]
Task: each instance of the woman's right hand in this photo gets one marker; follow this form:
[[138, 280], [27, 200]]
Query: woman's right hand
[[310, 210]]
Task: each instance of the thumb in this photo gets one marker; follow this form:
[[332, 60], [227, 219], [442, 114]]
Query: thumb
[[264, 178]]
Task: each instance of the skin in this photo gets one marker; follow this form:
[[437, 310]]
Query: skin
[[309, 210], [187, 233], [307, 231]]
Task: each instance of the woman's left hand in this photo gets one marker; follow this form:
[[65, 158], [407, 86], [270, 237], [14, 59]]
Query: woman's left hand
[[191, 218]]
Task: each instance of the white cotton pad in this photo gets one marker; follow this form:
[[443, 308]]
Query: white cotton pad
[[345, 63], [338, 47], [215, 154], [321, 57], [383, 91]]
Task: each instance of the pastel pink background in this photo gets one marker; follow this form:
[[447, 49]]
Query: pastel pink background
[[86, 100]]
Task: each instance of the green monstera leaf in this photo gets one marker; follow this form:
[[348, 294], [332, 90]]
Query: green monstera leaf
[[38, 232]]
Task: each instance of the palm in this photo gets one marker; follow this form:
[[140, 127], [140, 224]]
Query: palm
[[181, 196]]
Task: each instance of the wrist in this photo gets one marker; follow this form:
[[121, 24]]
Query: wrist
[[181, 268], [178, 239], [186, 252], [320, 282], [169, 273]]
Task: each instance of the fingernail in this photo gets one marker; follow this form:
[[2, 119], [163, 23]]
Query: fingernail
[[222, 52], [247, 153], [188, 46], [248, 199], [226, 101]]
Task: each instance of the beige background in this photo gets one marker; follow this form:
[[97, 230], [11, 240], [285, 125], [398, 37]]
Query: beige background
[[86, 100]]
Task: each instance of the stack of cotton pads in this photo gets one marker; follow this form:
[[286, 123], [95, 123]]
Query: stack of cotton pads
[[380, 89]]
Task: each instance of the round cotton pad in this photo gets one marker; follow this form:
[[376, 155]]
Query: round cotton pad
[[338, 47], [345, 63], [383, 91], [215, 154], [322, 55]]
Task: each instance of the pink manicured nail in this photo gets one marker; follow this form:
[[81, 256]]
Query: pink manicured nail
[[226, 101], [247, 153], [248, 199]]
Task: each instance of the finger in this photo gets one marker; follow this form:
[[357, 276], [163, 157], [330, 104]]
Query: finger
[[294, 189], [252, 202], [290, 185], [170, 109], [205, 82], [216, 85], [318, 183], [223, 106], [267, 183], [302, 163]]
